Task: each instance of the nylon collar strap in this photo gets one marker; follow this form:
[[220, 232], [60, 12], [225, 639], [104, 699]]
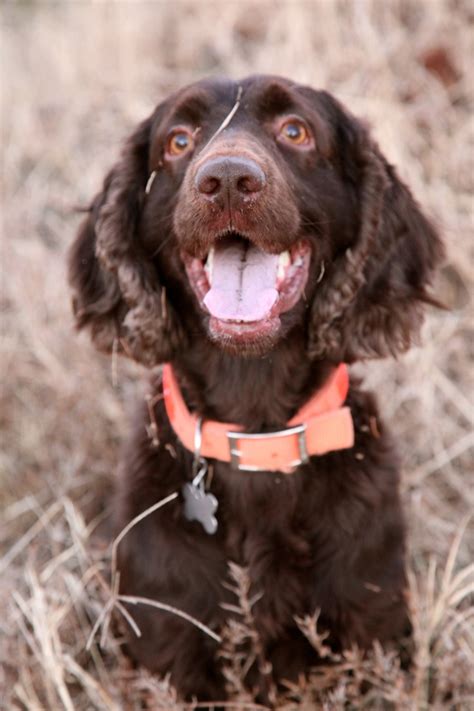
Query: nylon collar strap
[[322, 425]]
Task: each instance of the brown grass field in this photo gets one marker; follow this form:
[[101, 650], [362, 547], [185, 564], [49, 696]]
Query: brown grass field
[[75, 77]]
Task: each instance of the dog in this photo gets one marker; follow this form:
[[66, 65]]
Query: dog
[[253, 238]]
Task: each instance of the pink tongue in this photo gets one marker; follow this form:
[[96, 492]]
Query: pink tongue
[[243, 282]]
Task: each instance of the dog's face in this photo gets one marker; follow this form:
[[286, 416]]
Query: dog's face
[[242, 210], [248, 207]]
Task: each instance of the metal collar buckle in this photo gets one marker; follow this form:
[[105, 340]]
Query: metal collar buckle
[[235, 453]]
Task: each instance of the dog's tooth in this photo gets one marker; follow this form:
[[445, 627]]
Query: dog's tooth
[[284, 260], [208, 266]]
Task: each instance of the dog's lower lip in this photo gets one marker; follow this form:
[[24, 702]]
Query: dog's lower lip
[[240, 332]]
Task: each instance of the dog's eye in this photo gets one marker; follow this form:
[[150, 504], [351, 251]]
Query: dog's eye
[[179, 142], [295, 132]]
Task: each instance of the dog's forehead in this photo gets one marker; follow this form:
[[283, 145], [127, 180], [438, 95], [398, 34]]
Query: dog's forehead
[[206, 93], [213, 99], [196, 102]]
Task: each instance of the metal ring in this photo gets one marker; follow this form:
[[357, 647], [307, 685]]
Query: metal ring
[[198, 438], [197, 445]]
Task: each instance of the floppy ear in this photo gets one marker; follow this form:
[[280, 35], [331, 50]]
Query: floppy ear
[[371, 300], [117, 293]]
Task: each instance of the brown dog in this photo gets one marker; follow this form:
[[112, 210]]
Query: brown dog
[[253, 236]]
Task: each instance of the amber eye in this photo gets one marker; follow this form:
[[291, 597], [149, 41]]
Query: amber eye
[[181, 141], [295, 132]]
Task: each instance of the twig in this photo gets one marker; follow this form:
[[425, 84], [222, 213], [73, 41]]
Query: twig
[[137, 600], [114, 362], [227, 119], [152, 429], [32, 532], [95, 691], [134, 521]]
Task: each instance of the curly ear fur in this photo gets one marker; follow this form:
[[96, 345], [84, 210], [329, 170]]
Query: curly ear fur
[[371, 301], [117, 293]]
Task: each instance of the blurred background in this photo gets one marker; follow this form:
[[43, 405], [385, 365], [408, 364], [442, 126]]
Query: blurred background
[[75, 78]]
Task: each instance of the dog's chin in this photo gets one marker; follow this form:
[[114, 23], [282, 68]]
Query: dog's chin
[[254, 339]]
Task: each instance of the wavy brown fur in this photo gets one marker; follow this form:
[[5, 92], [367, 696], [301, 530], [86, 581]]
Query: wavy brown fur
[[131, 309], [346, 279]]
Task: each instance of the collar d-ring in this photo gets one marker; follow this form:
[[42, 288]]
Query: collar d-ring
[[198, 460]]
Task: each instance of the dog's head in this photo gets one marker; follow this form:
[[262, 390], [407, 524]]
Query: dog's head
[[239, 211]]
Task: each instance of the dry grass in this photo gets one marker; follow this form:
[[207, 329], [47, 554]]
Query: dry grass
[[75, 78]]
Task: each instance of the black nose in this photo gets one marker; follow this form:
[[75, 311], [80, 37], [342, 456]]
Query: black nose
[[229, 176]]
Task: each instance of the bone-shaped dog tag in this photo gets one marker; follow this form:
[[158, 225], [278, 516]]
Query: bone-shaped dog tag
[[199, 506]]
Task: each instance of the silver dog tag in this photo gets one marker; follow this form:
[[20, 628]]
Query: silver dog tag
[[199, 506]]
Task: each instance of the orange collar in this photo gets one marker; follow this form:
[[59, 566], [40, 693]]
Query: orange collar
[[322, 425]]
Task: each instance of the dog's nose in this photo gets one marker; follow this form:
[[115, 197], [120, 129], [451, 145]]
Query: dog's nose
[[230, 177]]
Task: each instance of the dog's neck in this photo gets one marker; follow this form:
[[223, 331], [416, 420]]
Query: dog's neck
[[258, 393]]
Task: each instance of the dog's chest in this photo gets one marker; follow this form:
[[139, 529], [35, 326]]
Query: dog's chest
[[262, 517]]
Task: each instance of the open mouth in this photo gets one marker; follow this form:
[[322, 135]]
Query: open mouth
[[245, 289]]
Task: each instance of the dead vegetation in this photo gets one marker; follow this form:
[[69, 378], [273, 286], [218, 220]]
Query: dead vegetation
[[75, 78]]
